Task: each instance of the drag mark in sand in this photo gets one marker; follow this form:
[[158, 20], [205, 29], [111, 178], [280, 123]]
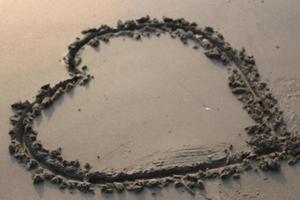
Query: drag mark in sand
[[270, 143]]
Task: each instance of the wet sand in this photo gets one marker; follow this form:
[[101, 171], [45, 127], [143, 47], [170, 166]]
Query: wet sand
[[45, 63], [142, 103]]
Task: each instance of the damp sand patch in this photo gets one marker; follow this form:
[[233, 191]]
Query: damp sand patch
[[144, 110], [269, 145]]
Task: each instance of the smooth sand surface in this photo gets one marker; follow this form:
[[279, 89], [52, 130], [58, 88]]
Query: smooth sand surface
[[147, 97]]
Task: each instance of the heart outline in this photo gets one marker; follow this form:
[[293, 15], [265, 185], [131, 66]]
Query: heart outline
[[244, 81]]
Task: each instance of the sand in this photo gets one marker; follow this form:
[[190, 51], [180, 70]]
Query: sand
[[41, 64]]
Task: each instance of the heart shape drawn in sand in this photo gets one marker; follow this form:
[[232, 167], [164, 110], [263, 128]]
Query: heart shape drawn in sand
[[270, 141]]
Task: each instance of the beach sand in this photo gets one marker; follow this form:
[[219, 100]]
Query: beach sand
[[150, 98]]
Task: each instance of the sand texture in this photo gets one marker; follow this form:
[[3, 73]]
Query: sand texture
[[155, 107]]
